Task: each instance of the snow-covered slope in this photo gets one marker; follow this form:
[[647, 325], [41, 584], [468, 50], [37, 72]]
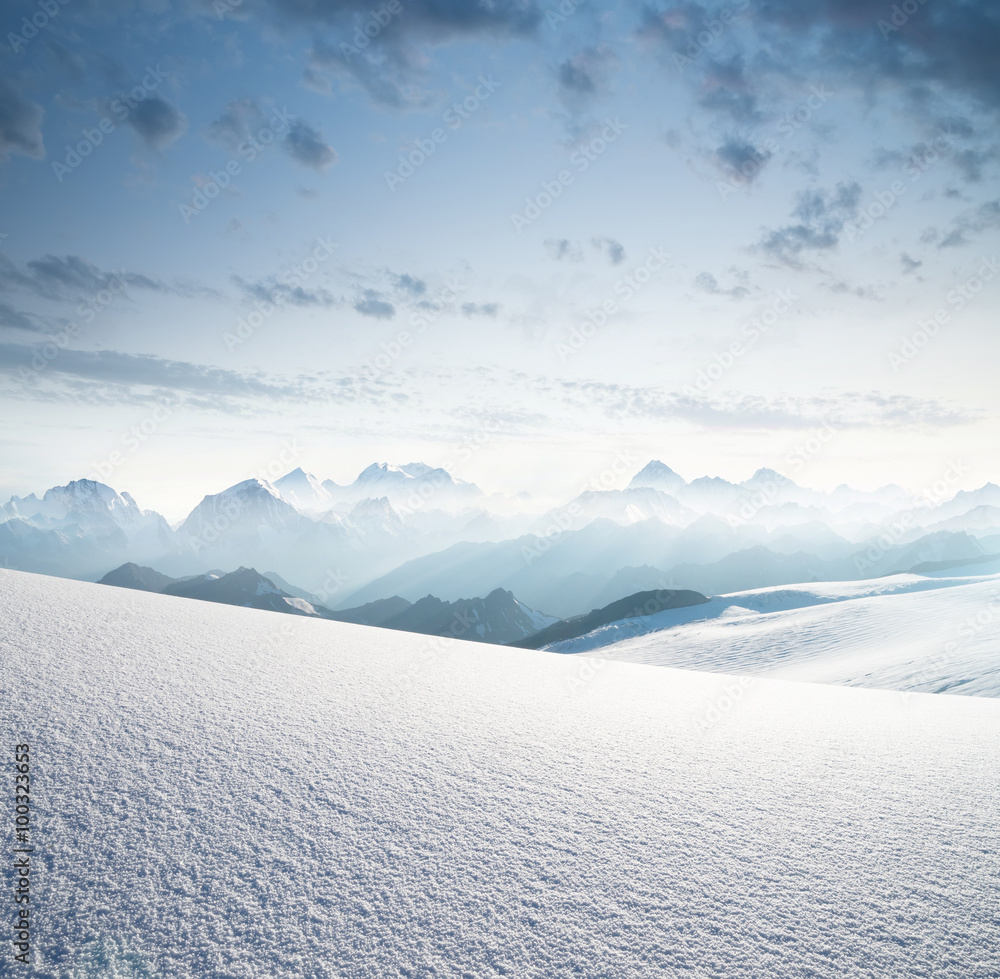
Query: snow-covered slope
[[225, 792], [933, 633]]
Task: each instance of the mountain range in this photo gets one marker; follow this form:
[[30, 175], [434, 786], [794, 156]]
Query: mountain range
[[415, 530], [498, 618]]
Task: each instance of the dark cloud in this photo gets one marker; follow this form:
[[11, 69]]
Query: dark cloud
[[409, 284], [615, 250], [909, 264], [821, 217], [435, 21], [68, 277], [157, 121], [306, 146], [288, 293], [585, 76], [20, 124], [371, 304], [863, 42], [727, 88], [739, 157]]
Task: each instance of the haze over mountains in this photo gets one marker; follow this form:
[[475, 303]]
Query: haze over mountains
[[415, 530]]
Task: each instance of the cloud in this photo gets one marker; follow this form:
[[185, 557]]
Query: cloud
[[728, 89], [984, 218], [408, 284], [734, 410], [480, 309], [238, 119], [280, 293], [67, 277], [615, 250], [739, 155], [372, 305], [909, 264], [14, 319], [708, 283], [563, 250], [20, 124], [821, 215], [157, 122], [306, 146], [435, 21], [584, 77], [393, 76], [118, 368]]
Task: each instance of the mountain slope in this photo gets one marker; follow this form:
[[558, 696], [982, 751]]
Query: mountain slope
[[639, 604], [498, 618], [245, 587], [254, 796], [133, 576]]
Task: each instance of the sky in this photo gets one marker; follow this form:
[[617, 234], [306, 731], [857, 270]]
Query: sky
[[532, 242]]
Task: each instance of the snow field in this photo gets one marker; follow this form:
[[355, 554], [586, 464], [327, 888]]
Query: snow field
[[225, 792]]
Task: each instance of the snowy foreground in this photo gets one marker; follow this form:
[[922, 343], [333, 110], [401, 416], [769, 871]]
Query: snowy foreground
[[226, 792], [936, 633]]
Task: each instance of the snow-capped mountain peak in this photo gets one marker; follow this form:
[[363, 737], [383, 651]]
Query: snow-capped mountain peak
[[304, 491], [657, 475]]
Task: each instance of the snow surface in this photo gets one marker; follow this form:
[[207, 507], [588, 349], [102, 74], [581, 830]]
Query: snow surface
[[225, 792], [935, 633]]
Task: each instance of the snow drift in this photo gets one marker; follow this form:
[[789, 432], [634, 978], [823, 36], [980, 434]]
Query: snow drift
[[932, 633], [223, 792]]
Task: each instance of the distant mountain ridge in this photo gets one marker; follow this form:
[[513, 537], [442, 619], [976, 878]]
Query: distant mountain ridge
[[498, 618]]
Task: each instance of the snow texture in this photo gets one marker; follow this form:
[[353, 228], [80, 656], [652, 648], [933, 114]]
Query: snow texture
[[927, 633], [224, 792]]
